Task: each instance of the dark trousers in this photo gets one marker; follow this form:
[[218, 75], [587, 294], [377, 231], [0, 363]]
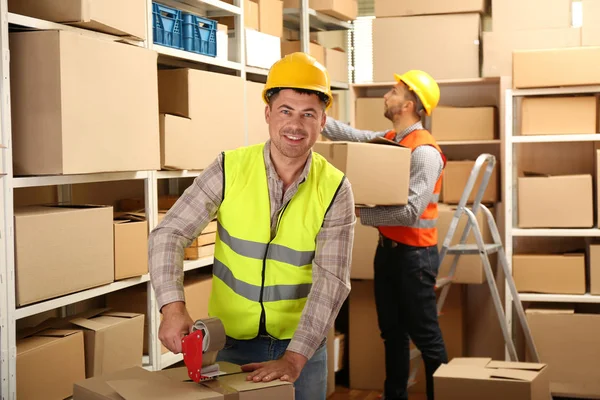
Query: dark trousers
[[405, 277]]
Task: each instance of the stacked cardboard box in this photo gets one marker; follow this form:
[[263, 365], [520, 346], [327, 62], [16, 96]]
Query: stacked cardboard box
[[203, 245], [448, 38]]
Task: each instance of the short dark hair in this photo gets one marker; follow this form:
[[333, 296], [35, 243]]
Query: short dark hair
[[411, 96], [274, 92]]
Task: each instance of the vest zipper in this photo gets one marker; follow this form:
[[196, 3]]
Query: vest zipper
[[262, 329]]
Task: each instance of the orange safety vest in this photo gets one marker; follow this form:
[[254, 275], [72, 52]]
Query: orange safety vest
[[424, 232]]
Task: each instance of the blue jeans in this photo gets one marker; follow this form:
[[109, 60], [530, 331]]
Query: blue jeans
[[312, 382], [405, 299]]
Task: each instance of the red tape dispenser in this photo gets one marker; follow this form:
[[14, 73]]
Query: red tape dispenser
[[200, 348]]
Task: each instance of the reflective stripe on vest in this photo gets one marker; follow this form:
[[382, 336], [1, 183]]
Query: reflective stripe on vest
[[422, 233], [254, 275]]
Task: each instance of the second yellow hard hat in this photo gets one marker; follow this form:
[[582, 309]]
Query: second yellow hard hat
[[424, 86]]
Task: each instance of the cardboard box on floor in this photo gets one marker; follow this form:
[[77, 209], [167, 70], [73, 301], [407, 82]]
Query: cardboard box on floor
[[48, 363], [82, 105], [530, 67], [314, 49], [61, 250], [131, 247], [448, 46], [482, 378], [454, 181], [370, 114], [539, 115], [363, 164], [590, 28], [400, 8], [555, 201], [513, 15], [200, 96], [549, 273], [121, 18], [463, 123], [346, 10], [499, 46], [367, 362], [568, 342], [139, 384]]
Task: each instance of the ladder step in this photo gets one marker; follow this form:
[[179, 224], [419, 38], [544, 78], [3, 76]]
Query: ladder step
[[415, 353], [411, 382], [473, 249], [440, 283]]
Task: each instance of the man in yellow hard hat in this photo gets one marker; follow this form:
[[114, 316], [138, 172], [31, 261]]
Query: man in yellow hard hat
[[406, 261], [284, 239]]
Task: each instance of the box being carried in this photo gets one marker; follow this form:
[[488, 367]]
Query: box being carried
[[482, 378]]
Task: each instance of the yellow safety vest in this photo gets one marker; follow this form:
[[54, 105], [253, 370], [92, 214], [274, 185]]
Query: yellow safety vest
[[255, 277]]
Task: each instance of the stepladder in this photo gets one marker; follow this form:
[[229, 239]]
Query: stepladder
[[468, 208]]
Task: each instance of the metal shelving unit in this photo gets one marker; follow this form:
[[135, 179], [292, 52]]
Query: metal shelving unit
[[509, 188], [304, 18]]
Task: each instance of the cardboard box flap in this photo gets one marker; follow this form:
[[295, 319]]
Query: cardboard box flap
[[138, 389], [57, 333], [564, 311], [129, 217], [88, 324], [382, 140], [472, 361], [118, 314], [462, 371], [514, 374], [239, 383], [516, 365]]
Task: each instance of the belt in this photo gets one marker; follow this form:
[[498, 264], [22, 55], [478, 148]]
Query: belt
[[386, 242]]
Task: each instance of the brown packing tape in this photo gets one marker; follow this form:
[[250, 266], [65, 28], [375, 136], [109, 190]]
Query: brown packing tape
[[214, 340], [228, 392]]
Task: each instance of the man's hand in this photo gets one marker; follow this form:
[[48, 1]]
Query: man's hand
[[357, 212], [287, 368], [175, 324]]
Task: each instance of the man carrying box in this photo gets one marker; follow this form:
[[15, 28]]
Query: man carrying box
[[407, 260], [284, 239]]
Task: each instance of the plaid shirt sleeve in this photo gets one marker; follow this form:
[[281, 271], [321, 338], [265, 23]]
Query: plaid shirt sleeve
[[336, 130], [182, 224], [331, 274]]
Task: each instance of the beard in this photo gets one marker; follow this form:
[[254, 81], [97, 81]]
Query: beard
[[293, 150]]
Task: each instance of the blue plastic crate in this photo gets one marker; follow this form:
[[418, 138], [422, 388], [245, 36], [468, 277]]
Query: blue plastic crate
[[199, 35], [167, 26]]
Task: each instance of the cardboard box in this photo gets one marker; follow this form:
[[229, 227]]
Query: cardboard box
[[540, 115], [482, 378], [251, 16], [448, 46], [314, 49], [598, 187], [131, 248], [369, 185], [179, 143], [270, 16], [530, 67], [463, 123], [366, 240], [262, 50], [568, 342], [113, 340], [82, 105], [594, 256], [49, 363], [590, 28], [549, 273], [345, 10], [109, 16], [258, 130], [454, 181], [336, 62], [139, 384], [370, 114], [400, 8], [61, 250], [513, 15], [555, 201], [498, 47], [200, 96], [470, 267], [366, 349]]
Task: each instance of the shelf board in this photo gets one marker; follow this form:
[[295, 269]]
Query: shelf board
[[556, 91], [167, 54], [177, 174], [27, 311], [317, 20], [592, 232], [257, 71], [189, 265], [339, 85], [559, 298], [169, 359], [52, 180], [556, 138], [213, 8], [40, 24], [441, 82], [467, 142]]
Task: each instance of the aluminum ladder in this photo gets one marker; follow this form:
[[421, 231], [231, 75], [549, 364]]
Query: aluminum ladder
[[484, 250]]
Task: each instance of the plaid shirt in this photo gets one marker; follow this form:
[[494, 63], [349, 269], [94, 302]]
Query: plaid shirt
[[426, 165], [331, 265]]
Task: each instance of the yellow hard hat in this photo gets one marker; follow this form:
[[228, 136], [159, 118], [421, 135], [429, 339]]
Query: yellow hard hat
[[424, 86], [299, 71]]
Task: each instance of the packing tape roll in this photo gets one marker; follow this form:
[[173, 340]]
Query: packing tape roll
[[214, 339]]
